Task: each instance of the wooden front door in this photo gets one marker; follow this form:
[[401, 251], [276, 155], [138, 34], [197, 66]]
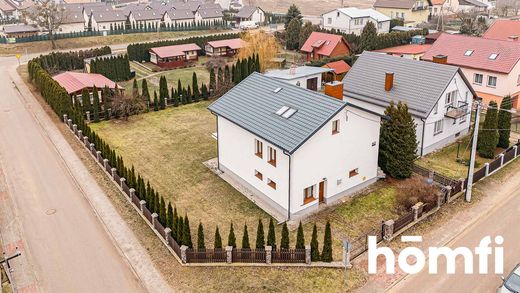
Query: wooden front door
[[312, 84], [321, 191]]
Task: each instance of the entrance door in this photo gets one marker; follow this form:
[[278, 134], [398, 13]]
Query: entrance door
[[321, 191], [312, 84]]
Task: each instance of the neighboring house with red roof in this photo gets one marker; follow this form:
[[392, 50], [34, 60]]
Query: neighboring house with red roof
[[492, 66], [174, 56], [224, 47], [503, 29], [412, 12], [322, 45], [75, 82], [409, 51], [339, 69]]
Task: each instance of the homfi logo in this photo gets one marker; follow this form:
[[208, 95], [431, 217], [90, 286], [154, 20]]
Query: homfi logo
[[482, 252]]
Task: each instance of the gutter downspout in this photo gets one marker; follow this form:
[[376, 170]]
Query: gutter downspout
[[218, 148], [289, 189], [422, 139]]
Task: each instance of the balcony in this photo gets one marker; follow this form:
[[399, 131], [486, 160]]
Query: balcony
[[457, 112]]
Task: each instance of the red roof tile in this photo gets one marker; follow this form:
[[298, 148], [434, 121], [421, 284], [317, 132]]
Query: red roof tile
[[456, 46], [175, 50], [324, 42], [407, 49], [77, 81], [231, 43], [339, 67], [502, 29]]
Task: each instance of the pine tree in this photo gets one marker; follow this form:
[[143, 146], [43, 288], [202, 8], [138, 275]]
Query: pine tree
[[315, 252], [175, 98], [212, 81], [174, 226], [260, 238], [220, 78], [205, 94], [398, 142], [163, 92], [305, 32], [135, 89], [162, 211], [237, 76], [368, 38], [293, 34], [244, 70], [504, 122], [144, 91], [300, 238], [180, 230], [195, 86], [218, 239], [271, 236], [232, 241], [186, 234], [227, 75], [326, 253], [245, 239], [200, 237], [169, 216], [96, 105], [488, 136], [85, 101], [292, 13], [284, 243], [155, 101], [258, 67]]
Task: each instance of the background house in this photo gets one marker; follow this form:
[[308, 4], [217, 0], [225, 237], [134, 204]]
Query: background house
[[228, 47], [503, 29], [322, 45], [339, 69], [75, 82], [174, 56], [250, 13], [438, 96], [491, 65], [444, 7], [353, 20], [73, 21], [20, 31], [409, 51], [294, 149], [178, 17], [412, 12], [145, 18], [472, 5], [107, 20], [209, 13], [307, 77]]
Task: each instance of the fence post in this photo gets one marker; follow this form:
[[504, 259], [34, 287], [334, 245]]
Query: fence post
[[308, 254], [80, 134], [105, 163], [154, 218], [122, 180], [132, 192], [501, 156], [388, 230], [268, 254], [229, 255], [69, 123], [416, 209], [167, 234], [486, 165], [184, 258], [114, 172], [74, 128], [88, 116], [515, 147], [142, 204], [65, 118], [92, 147], [347, 247], [440, 197], [85, 140], [98, 155]]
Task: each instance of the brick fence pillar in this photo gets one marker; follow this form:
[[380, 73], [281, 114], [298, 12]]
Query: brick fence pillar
[[105, 163], [416, 209], [388, 230], [69, 123], [80, 134], [229, 254], [501, 156], [154, 218], [347, 247], [268, 254], [121, 181], [167, 234], [132, 192], [98, 155], [308, 254], [486, 165], [184, 257], [142, 204], [65, 118], [85, 141], [440, 199], [516, 150], [114, 172], [92, 147], [75, 128]]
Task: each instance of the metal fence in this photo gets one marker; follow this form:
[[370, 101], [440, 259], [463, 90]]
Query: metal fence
[[249, 255], [205, 255], [360, 244], [288, 256], [147, 214], [494, 165], [403, 221]]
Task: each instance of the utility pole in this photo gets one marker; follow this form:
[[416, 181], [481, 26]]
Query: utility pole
[[473, 154]]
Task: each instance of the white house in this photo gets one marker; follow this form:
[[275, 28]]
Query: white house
[[105, 21], [439, 96], [178, 17], [209, 13], [250, 13], [307, 77], [353, 20], [145, 18], [292, 148], [73, 21]]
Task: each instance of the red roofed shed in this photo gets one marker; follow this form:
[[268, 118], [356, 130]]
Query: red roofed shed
[[322, 45], [340, 68], [174, 56], [75, 82]]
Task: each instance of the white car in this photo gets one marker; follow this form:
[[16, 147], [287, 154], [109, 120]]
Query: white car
[[245, 25], [511, 284]]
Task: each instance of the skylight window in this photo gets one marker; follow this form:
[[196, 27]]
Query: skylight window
[[468, 53], [289, 113], [282, 110], [493, 56], [277, 89]]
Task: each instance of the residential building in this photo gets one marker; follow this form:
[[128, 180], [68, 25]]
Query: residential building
[[352, 20], [73, 21], [439, 97], [322, 45], [412, 12], [409, 51], [177, 17], [191, 5], [145, 19], [250, 13], [294, 149], [307, 77], [13, 9], [209, 13], [227, 48], [107, 20], [444, 7], [503, 29], [230, 4], [20, 31], [75, 82], [472, 5], [174, 56], [491, 65], [339, 70]]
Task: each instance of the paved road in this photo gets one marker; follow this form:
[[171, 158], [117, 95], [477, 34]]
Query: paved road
[[63, 240], [502, 220]]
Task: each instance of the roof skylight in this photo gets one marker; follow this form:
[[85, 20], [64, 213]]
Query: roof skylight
[[289, 113], [282, 110], [468, 53], [493, 56], [277, 89]]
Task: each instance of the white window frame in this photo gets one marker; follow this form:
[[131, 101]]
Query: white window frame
[[475, 81], [335, 126], [490, 77], [271, 155], [259, 148], [450, 98], [438, 127], [436, 108], [329, 20]]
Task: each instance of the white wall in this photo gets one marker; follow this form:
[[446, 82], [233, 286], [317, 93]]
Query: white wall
[[258, 16], [346, 24], [302, 81], [72, 27], [333, 156]]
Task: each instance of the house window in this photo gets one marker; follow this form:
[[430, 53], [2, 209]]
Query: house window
[[493, 57], [492, 81], [335, 126], [272, 156], [259, 148], [478, 78], [353, 173], [436, 108], [308, 194], [379, 25], [271, 183], [450, 97], [259, 175], [337, 14], [329, 20], [438, 127]]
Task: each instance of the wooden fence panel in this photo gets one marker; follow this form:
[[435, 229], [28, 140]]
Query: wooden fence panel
[[248, 255], [288, 256], [494, 165], [509, 155], [147, 214], [136, 201], [108, 168], [117, 179], [160, 228], [403, 221], [206, 255], [126, 189], [479, 174], [174, 245], [94, 152]]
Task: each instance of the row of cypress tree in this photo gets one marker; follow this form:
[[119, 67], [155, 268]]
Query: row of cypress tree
[[496, 129], [73, 60], [116, 68]]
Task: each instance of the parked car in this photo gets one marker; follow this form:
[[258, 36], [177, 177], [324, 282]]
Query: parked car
[[245, 25], [512, 282]]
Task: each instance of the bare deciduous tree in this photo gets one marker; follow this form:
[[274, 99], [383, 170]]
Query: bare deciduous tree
[[48, 16], [126, 106], [472, 23]]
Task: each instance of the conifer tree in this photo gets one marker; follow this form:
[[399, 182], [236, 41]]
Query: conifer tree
[[271, 236], [174, 226], [232, 241], [169, 216], [368, 38], [218, 239], [135, 89], [205, 94], [315, 251], [260, 238], [195, 86], [144, 91], [96, 106], [326, 253], [227, 75], [163, 92], [245, 238], [238, 72], [398, 142], [186, 234], [200, 237], [220, 78], [284, 244], [155, 101], [504, 122], [85, 101], [244, 70], [293, 34], [300, 238], [212, 81], [257, 63], [180, 229], [488, 135], [162, 211], [292, 13]]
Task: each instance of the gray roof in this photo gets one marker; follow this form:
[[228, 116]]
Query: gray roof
[[109, 16], [147, 15], [472, 3], [19, 28], [178, 14], [406, 4], [79, 6], [73, 17], [419, 84], [246, 12], [253, 103], [210, 12], [192, 5], [297, 72]]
